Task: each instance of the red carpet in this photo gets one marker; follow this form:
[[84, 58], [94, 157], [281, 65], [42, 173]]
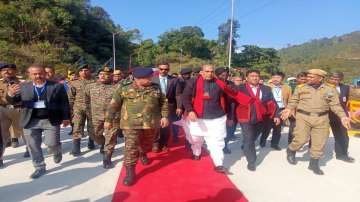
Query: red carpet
[[174, 177]]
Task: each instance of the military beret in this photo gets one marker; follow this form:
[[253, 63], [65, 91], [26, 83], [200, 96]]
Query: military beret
[[318, 72], [186, 70], [105, 69], [4, 65], [220, 70], [117, 72], [84, 66], [197, 69], [141, 72]]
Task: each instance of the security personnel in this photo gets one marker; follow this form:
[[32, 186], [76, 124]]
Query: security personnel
[[76, 96], [117, 76], [340, 132], [97, 98], [143, 109], [312, 102], [11, 113]]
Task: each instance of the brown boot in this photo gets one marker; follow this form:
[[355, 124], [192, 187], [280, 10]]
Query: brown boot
[[130, 175]]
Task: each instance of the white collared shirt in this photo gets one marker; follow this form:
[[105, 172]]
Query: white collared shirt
[[278, 96], [254, 90], [163, 84]]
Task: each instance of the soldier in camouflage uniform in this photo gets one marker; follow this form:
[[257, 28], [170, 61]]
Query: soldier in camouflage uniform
[[143, 110], [79, 114], [97, 98]]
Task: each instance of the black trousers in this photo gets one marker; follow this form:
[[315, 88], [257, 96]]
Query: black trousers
[[276, 132], [341, 137], [251, 132], [291, 129]]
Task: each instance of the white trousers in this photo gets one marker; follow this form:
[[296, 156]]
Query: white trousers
[[213, 131]]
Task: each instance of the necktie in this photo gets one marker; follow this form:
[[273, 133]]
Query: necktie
[[163, 85]]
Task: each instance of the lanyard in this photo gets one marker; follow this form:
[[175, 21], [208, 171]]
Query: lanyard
[[277, 91], [41, 90]]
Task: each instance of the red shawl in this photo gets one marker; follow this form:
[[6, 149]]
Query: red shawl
[[199, 95], [259, 107]]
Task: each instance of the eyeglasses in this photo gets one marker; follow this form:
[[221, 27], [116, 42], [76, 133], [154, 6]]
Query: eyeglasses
[[164, 69]]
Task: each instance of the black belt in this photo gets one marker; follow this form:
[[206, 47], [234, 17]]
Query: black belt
[[312, 113]]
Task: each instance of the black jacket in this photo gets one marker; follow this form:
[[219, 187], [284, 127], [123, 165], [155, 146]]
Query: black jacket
[[56, 102]]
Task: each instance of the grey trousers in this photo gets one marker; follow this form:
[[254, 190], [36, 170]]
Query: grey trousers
[[33, 135]]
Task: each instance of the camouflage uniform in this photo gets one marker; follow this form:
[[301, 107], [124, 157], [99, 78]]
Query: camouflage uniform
[[141, 111], [97, 98], [76, 94]]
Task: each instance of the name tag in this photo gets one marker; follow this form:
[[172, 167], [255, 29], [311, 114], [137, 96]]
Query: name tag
[[39, 104]]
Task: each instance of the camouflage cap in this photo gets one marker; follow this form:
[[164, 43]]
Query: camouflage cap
[[318, 72]]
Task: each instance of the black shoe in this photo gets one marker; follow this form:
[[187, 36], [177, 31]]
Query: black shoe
[[262, 144], [38, 173], [226, 150], [26, 153], [57, 158], [251, 167], [276, 147], [76, 148], [242, 147], [130, 176], [144, 159], [102, 147], [107, 164], [346, 159], [14, 142], [1, 164], [314, 166], [195, 158], [220, 169], [291, 156], [91, 144]]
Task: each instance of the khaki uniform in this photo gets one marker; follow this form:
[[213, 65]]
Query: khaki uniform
[[76, 94], [141, 111], [98, 97], [312, 107], [10, 117]]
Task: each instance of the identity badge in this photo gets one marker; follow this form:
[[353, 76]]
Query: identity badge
[[39, 104]]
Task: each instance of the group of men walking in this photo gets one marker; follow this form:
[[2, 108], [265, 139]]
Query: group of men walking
[[144, 107]]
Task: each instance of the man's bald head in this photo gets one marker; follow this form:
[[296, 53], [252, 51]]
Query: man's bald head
[[208, 71]]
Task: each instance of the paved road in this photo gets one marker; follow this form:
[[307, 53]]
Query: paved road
[[83, 179]]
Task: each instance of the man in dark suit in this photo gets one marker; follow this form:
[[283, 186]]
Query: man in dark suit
[[167, 85], [45, 107], [223, 74], [339, 131], [252, 116]]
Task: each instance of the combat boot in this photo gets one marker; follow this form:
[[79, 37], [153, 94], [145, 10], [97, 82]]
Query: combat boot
[[144, 159], [291, 156], [107, 164], [14, 142], [130, 175], [91, 144], [314, 166], [76, 148]]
